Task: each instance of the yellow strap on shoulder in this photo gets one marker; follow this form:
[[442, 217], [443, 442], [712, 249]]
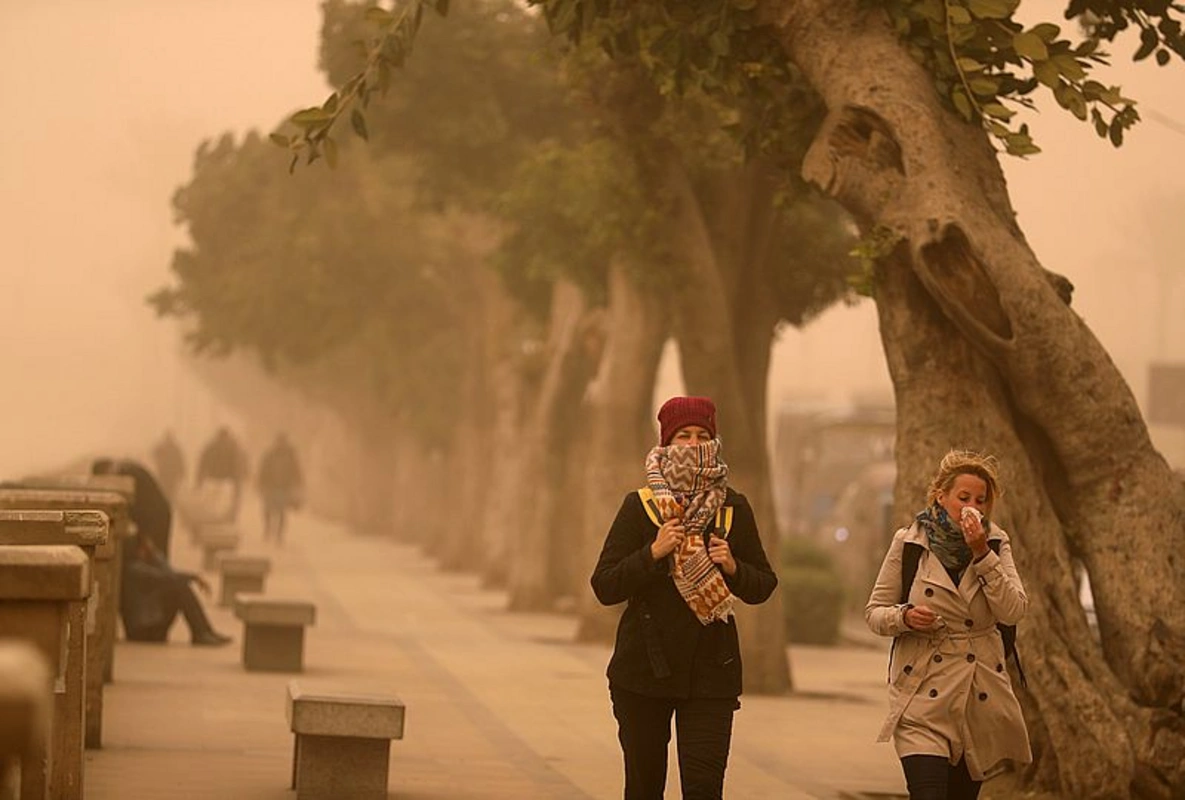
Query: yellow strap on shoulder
[[724, 519], [646, 495]]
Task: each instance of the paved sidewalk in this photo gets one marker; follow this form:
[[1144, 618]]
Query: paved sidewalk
[[499, 705]]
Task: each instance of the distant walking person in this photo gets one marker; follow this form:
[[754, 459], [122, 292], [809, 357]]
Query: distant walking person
[[169, 461], [946, 582], [681, 551], [224, 462], [281, 484]]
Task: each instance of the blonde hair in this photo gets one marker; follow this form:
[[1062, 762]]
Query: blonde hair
[[965, 462]]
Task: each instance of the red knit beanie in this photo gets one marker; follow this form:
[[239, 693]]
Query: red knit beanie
[[679, 412]]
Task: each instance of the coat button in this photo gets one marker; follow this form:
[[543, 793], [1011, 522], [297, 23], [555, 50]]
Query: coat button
[[937, 658], [983, 695], [970, 623], [999, 668], [908, 669], [934, 693], [929, 592], [971, 658]]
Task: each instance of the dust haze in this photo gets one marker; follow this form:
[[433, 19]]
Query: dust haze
[[107, 103]]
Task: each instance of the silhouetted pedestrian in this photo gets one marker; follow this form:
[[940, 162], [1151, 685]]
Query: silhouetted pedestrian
[[223, 461], [169, 461], [281, 484]]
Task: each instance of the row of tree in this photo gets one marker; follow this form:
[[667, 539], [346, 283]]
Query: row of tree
[[620, 215], [485, 291]]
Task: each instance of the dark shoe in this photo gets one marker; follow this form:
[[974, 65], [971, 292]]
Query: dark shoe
[[210, 639]]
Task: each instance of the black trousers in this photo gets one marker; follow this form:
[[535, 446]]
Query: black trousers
[[933, 778], [703, 727], [273, 521], [174, 595]]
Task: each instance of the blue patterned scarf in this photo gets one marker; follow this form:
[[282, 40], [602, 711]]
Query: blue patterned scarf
[[946, 538]]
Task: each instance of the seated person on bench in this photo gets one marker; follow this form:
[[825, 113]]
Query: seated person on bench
[[152, 594]]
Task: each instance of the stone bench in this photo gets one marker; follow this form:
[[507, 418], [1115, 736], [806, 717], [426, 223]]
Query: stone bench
[[43, 598], [215, 539], [89, 531], [342, 742], [26, 705], [104, 497], [273, 631], [241, 574]]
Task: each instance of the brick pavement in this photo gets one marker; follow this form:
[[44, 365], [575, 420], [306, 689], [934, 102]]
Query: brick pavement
[[499, 705]]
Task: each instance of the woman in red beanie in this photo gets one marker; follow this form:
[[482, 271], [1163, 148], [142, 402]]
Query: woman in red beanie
[[680, 551]]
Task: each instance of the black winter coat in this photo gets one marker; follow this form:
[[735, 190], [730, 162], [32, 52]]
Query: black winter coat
[[662, 649]]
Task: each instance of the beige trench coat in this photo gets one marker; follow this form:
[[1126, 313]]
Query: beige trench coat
[[949, 690]]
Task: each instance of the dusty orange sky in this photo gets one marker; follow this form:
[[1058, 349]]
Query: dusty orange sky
[[107, 102]]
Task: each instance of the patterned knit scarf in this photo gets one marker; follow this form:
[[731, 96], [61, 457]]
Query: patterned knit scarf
[[946, 538], [689, 482]]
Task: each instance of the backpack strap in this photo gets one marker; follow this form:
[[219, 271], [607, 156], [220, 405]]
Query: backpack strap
[[723, 514], [1008, 632], [911, 554], [646, 495]]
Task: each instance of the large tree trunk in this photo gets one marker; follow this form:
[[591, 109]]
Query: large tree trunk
[[985, 352], [707, 327], [565, 374], [503, 513], [619, 426]]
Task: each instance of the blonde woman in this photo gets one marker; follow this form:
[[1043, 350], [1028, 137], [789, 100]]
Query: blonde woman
[[953, 716]]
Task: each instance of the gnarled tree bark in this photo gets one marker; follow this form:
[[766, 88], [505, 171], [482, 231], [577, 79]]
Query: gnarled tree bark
[[985, 352]]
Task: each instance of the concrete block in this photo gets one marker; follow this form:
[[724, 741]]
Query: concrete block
[[43, 593], [88, 530], [342, 742], [245, 574], [334, 712], [273, 631], [216, 539], [90, 492]]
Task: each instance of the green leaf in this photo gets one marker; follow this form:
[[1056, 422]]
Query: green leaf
[[1020, 144], [309, 117], [1116, 133], [1069, 66], [962, 103], [358, 123], [993, 9], [998, 111], [330, 105], [1148, 41], [278, 139], [984, 87], [1047, 31], [969, 64], [1100, 124], [330, 148], [1030, 46], [1162, 56], [1048, 73], [959, 15]]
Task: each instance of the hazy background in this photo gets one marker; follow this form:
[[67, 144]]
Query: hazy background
[[106, 103]]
